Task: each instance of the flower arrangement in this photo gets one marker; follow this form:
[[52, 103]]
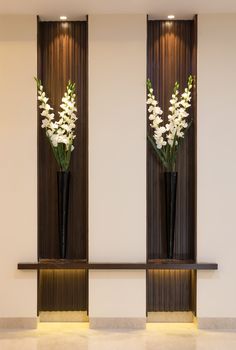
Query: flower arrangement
[[167, 138], [60, 133]]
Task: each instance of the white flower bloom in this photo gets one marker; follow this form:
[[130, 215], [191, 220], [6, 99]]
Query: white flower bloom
[[54, 140], [63, 139], [49, 133], [44, 113], [73, 116], [65, 127], [45, 123], [176, 126], [149, 101], [155, 124], [176, 120], [60, 131], [47, 107], [155, 111]]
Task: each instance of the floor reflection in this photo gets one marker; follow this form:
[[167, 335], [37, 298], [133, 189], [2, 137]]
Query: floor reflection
[[71, 336]]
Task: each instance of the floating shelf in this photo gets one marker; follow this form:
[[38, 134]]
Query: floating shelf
[[164, 264], [167, 264]]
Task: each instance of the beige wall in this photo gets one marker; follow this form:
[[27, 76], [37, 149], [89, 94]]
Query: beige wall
[[117, 148], [216, 164], [117, 161], [18, 175]]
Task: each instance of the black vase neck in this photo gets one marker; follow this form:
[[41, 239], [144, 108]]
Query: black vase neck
[[170, 172], [63, 171]]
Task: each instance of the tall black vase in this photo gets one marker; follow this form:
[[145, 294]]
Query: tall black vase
[[63, 182], [170, 198]]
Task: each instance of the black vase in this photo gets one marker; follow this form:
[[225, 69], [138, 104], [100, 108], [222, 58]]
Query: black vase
[[63, 182], [170, 198]]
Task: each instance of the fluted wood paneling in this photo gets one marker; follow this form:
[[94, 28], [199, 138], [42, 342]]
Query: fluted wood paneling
[[63, 290], [176, 284], [170, 48], [171, 56], [62, 55]]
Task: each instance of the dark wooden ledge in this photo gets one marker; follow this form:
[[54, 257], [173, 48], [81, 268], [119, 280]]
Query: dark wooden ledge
[[51, 264]]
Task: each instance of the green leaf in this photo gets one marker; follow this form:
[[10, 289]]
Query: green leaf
[[159, 152], [68, 157], [38, 82]]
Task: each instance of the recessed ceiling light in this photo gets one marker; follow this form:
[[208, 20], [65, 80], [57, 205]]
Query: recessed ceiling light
[[171, 17], [63, 18]]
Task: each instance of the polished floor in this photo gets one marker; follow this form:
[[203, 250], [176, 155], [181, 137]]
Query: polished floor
[[62, 336]]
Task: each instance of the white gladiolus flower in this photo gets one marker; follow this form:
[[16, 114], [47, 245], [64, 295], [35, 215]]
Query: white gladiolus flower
[[49, 132], [156, 120], [166, 136], [149, 101], [177, 120], [62, 139], [47, 107], [45, 100], [45, 123], [54, 140], [157, 110], [60, 132], [54, 125]]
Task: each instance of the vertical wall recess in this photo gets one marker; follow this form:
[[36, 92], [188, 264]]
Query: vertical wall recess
[[62, 55], [62, 290], [170, 290], [171, 56]]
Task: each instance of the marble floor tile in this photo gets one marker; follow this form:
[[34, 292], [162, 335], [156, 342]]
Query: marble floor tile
[[74, 336]]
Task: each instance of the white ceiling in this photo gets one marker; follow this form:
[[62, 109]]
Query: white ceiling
[[77, 9]]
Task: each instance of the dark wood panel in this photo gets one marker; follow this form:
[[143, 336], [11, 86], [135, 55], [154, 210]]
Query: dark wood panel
[[194, 109], [63, 290], [152, 264], [169, 290], [170, 58], [63, 56]]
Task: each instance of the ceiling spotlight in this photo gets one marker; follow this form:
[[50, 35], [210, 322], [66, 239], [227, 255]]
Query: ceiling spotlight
[[63, 18], [171, 17]]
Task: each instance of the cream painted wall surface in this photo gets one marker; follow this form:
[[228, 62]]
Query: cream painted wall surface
[[18, 175], [117, 138], [117, 162], [216, 164]]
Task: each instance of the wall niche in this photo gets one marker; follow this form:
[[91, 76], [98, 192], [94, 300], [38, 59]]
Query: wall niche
[[63, 55], [171, 57]]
